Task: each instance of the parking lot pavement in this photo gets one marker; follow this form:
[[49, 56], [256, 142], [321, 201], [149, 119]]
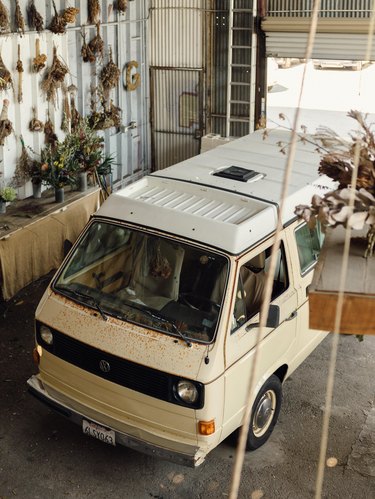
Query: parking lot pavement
[[43, 455]]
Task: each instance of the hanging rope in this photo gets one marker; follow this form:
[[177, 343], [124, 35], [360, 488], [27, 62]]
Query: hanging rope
[[240, 453]]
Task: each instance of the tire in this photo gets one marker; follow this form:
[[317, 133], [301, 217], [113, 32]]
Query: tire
[[264, 413]]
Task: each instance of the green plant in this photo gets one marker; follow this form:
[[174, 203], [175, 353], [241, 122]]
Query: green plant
[[7, 194], [57, 165]]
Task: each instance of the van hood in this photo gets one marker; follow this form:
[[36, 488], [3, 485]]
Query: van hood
[[140, 345]]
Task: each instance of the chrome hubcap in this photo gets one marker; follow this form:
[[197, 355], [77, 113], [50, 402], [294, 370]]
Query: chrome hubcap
[[264, 413]]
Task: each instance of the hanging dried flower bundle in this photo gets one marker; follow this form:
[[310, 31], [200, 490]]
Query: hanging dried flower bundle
[[6, 127], [108, 118], [122, 5], [4, 19], [67, 116], [34, 19], [76, 118], [109, 76], [96, 45], [70, 15], [19, 20], [39, 60], [35, 125], [50, 136], [93, 7], [86, 52], [54, 77], [58, 22], [6, 81], [24, 166], [19, 67]]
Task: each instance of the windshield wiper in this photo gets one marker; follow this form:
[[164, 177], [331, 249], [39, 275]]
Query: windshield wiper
[[80, 294], [156, 315]]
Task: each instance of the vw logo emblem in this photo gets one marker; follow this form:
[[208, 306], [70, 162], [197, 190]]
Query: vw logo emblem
[[104, 366]]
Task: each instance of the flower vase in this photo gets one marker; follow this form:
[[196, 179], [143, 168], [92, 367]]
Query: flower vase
[[37, 190], [82, 177], [59, 194], [3, 207]]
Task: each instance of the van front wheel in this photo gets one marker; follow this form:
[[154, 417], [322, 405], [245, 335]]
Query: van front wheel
[[264, 413]]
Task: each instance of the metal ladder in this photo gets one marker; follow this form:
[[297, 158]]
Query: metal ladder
[[233, 50]]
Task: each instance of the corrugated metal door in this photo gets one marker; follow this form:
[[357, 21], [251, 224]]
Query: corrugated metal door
[[176, 66], [176, 116]]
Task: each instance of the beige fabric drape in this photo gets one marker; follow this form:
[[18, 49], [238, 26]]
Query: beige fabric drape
[[37, 248]]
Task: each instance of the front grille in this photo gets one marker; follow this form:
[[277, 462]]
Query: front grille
[[123, 372]]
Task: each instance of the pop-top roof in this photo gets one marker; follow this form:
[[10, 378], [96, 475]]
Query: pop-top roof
[[232, 211]]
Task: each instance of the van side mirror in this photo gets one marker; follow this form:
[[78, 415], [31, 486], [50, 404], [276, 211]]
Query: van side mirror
[[67, 245], [273, 319]]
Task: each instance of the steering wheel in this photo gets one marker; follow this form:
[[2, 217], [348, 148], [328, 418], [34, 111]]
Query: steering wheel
[[198, 302]]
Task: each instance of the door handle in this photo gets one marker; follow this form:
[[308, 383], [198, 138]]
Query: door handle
[[292, 316]]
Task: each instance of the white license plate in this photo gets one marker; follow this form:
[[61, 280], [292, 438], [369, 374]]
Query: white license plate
[[99, 432]]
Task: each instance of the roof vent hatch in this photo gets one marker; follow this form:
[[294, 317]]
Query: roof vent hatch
[[240, 174]]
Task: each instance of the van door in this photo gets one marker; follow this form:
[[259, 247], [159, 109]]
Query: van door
[[305, 243], [276, 345]]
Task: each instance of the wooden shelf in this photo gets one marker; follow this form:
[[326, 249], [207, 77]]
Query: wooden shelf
[[358, 315]]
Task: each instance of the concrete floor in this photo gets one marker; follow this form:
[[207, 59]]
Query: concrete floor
[[42, 455]]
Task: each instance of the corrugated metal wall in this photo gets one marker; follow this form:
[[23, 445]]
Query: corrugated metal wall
[[176, 62], [125, 34], [342, 30]]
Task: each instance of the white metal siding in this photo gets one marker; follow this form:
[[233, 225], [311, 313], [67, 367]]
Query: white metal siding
[[126, 35]]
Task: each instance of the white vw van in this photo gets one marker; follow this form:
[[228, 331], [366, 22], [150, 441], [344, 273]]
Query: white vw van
[[146, 335]]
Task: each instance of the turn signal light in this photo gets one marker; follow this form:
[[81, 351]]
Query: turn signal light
[[206, 427], [36, 356]]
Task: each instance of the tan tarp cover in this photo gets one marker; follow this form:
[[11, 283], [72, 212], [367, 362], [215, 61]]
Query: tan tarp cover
[[37, 248]]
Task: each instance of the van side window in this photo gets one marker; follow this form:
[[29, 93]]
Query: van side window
[[251, 283], [309, 241]]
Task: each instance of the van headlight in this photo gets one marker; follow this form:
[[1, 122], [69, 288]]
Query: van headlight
[[187, 391], [46, 335]]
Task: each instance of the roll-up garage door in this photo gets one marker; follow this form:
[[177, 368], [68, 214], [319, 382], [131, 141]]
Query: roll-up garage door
[[335, 38]]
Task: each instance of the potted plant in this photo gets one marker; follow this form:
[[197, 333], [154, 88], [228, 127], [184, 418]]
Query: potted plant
[[58, 167], [7, 195]]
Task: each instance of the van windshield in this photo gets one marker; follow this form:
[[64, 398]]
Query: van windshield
[[146, 279]]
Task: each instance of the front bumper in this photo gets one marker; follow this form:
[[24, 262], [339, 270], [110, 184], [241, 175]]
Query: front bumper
[[190, 456]]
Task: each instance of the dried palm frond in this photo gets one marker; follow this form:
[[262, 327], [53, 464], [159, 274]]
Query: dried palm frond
[[19, 67], [122, 5], [6, 127], [24, 166], [54, 77], [39, 60], [93, 7], [6, 81], [86, 52], [20, 22], [96, 45], [109, 75], [58, 23], [35, 125], [34, 19], [4, 19], [70, 14], [338, 162]]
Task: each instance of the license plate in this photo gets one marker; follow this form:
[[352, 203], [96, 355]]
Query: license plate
[[97, 431]]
